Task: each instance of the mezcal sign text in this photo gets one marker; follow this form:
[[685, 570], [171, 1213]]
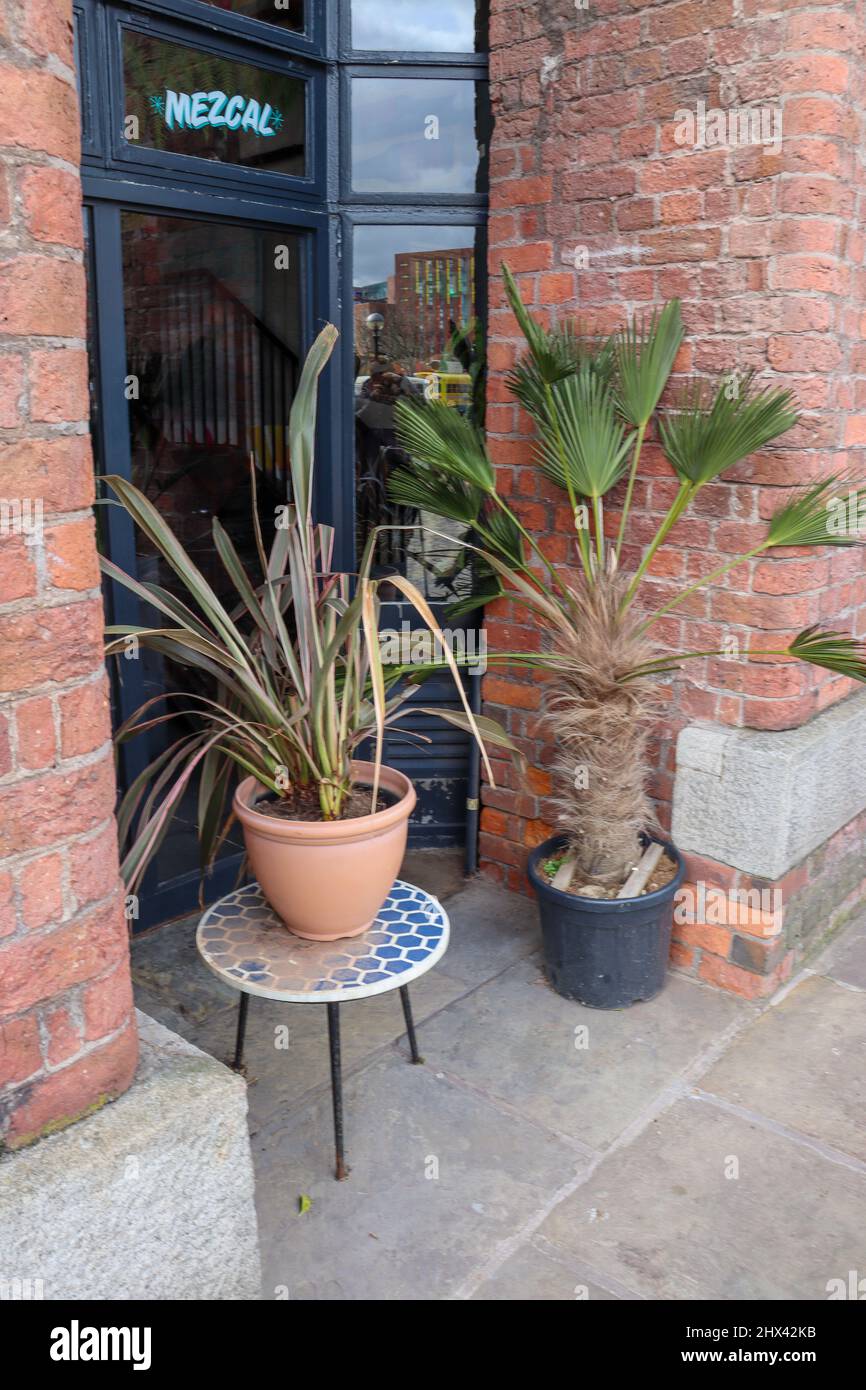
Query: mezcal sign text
[[194, 110]]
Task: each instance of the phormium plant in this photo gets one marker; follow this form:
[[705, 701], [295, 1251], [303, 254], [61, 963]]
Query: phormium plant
[[295, 664]]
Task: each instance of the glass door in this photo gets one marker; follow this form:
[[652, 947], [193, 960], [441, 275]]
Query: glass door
[[215, 317]]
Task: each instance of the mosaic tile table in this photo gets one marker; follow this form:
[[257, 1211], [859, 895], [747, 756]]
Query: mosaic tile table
[[242, 940]]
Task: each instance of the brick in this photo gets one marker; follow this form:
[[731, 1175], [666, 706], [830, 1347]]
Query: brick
[[42, 295], [682, 957], [522, 192], [94, 866], [107, 1003], [46, 28], [64, 1036], [51, 200], [20, 1056], [18, 577], [761, 957], [707, 938], [38, 647], [734, 978], [40, 887], [39, 111], [59, 385], [74, 1091], [34, 724], [11, 389], [71, 555], [7, 903], [58, 472], [33, 813], [41, 965], [512, 694]]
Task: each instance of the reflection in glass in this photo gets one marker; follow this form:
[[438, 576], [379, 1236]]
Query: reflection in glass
[[287, 14], [212, 314], [415, 337], [417, 26], [414, 135], [193, 103]]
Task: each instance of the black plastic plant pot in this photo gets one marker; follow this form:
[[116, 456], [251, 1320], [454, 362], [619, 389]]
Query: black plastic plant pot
[[607, 954]]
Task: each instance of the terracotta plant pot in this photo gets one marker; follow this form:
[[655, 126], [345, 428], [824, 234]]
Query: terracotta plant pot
[[328, 879]]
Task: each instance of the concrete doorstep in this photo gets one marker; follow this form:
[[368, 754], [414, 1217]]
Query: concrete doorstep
[[150, 1198]]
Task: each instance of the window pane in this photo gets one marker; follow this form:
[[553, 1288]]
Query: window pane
[[417, 26], [415, 135], [415, 336], [188, 102], [287, 14], [213, 354]]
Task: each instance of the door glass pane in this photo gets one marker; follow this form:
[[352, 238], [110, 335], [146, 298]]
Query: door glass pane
[[213, 333], [416, 336], [418, 135], [417, 26], [287, 14], [187, 102]]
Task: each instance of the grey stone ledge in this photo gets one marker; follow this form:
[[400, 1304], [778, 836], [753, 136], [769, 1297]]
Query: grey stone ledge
[[761, 801], [149, 1198]]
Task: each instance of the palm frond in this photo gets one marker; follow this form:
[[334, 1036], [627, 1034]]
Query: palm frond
[[503, 534], [442, 438], [834, 651], [821, 515], [584, 437], [644, 353], [703, 440], [428, 490]]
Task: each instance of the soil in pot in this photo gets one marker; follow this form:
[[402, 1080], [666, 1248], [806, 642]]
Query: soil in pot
[[304, 804], [664, 873]]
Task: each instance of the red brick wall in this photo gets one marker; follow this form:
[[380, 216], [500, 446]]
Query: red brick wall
[[764, 248], [67, 1032]]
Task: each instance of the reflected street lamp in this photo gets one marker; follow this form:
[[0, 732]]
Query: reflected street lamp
[[376, 322]]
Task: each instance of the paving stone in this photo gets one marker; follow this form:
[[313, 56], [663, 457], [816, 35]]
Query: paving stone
[[172, 983], [661, 1217], [389, 1232], [282, 1067], [845, 958], [438, 871], [516, 1040], [490, 930], [803, 1063], [533, 1276]]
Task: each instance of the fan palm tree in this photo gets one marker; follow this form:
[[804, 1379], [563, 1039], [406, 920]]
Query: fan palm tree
[[592, 405]]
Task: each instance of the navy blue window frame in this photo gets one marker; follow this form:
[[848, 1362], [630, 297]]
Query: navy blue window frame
[[323, 208], [121, 153]]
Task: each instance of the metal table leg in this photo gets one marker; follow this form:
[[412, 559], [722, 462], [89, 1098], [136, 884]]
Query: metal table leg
[[410, 1025], [336, 1088], [238, 1063]]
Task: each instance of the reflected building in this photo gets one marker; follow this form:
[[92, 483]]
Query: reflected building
[[429, 296]]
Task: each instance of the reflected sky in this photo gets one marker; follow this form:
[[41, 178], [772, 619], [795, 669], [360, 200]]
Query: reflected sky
[[418, 26], [392, 119], [375, 248]]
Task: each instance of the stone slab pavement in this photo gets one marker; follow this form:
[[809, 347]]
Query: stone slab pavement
[[697, 1146]]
